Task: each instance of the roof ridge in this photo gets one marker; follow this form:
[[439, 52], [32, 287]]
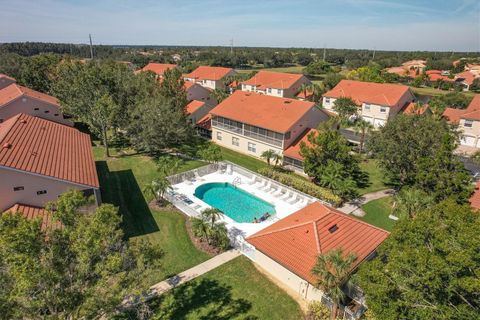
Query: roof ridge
[[317, 237], [253, 236], [7, 125]]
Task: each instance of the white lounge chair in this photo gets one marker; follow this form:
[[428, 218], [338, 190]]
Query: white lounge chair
[[303, 202], [198, 177], [278, 193], [253, 180], [229, 169], [266, 186], [261, 184], [294, 200], [287, 196]]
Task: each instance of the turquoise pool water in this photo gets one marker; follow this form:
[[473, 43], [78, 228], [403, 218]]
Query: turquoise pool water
[[239, 205]]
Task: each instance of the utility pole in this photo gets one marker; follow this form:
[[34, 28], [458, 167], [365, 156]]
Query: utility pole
[[231, 46], [91, 47], [324, 51], [374, 49]]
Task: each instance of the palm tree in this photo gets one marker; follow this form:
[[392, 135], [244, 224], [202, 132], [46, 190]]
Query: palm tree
[[363, 127], [332, 270], [168, 165], [200, 228], [409, 201], [305, 88], [276, 158], [219, 95], [317, 91], [211, 215], [157, 188], [268, 155]]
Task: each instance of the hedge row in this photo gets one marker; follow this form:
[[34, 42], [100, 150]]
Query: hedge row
[[302, 185]]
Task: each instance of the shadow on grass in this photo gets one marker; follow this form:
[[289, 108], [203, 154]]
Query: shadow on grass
[[121, 189], [203, 299]]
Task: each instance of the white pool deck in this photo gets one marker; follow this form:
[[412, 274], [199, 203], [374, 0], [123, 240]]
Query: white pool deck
[[285, 200]]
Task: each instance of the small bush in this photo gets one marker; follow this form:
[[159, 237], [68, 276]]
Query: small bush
[[302, 185], [317, 311]]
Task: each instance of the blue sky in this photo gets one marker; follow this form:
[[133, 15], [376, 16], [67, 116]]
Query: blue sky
[[443, 25]]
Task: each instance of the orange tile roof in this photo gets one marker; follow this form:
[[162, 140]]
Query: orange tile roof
[[297, 240], [437, 77], [31, 212], [472, 112], [301, 94], [188, 84], [158, 68], [208, 73], [2, 75], [47, 148], [475, 198], [467, 76], [269, 79], [273, 113], [15, 91], [294, 150], [413, 108], [386, 94], [194, 105], [205, 122]]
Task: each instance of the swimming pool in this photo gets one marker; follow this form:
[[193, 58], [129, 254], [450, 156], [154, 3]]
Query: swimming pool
[[237, 204]]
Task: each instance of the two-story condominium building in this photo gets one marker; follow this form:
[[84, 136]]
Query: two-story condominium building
[[210, 77], [41, 159], [158, 68], [277, 84], [468, 121], [252, 123], [377, 102], [15, 99]]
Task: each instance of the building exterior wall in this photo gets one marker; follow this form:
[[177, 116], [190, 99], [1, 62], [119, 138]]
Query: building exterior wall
[[197, 92], [299, 285], [311, 119], [275, 92], [28, 105], [226, 141], [5, 82], [212, 84], [293, 90], [31, 185], [200, 113], [470, 135]]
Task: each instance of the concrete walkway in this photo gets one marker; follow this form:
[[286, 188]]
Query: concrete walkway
[[192, 273], [354, 206]]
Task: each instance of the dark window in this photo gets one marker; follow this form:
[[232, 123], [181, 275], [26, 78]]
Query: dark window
[[56, 114], [36, 109], [333, 228], [287, 135], [46, 111], [18, 188], [41, 192], [1, 120]]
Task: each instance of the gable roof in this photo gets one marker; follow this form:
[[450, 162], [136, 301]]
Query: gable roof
[[4, 76], [208, 73], [158, 68], [15, 91], [47, 148], [386, 94], [294, 150], [269, 79], [273, 113], [297, 240], [30, 212], [194, 105], [472, 112], [467, 76]]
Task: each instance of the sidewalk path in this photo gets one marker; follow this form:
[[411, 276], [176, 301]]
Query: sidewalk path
[[354, 205], [192, 273]]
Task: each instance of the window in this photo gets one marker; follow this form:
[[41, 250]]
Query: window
[[46, 111], [219, 136], [36, 109], [468, 123], [383, 109], [269, 90], [288, 135], [333, 228], [252, 147], [279, 91], [235, 141], [367, 107], [18, 188], [56, 114], [327, 100], [1, 120], [41, 192]]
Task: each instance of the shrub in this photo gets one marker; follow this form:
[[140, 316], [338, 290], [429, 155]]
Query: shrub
[[302, 185], [317, 311]]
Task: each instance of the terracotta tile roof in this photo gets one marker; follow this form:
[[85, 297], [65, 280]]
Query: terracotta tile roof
[[205, 122], [413, 108], [15, 91], [386, 94], [269, 79], [194, 105], [301, 94], [294, 150], [158, 68], [47, 148], [475, 198], [403, 72], [467, 76], [30, 212], [208, 73], [188, 84], [273, 113], [2, 75], [437, 77], [472, 112], [297, 240]]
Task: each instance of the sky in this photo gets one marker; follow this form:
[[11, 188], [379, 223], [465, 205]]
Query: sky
[[434, 25]]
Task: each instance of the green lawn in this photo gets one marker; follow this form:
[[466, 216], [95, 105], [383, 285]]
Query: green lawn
[[292, 69], [378, 212], [242, 160], [435, 92], [235, 290], [122, 179], [375, 177]]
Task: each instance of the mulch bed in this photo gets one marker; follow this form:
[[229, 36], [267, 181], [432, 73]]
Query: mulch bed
[[198, 243]]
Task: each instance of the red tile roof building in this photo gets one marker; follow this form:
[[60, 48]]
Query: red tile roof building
[[15, 99], [6, 80], [40, 159], [209, 77], [295, 241], [468, 121], [158, 68], [475, 198], [278, 84], [291, 155], [46, 218]]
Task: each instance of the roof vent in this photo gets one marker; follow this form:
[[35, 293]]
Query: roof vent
[[23, 121], [7, 145], [333, 228], [287, 101]]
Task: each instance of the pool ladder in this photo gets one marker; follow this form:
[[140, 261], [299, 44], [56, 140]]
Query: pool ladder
[[237, 181]]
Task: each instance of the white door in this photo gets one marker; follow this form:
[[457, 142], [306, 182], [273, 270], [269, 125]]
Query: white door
[[379, 123], [478, 143], [468, 141]]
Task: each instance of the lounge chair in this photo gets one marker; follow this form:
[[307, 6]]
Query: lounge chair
[[294, 200], [261, 184], [287, 196], [198, 177], [303, 202], [229, 169], [278, 193], [253, 180], [266, 186]]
